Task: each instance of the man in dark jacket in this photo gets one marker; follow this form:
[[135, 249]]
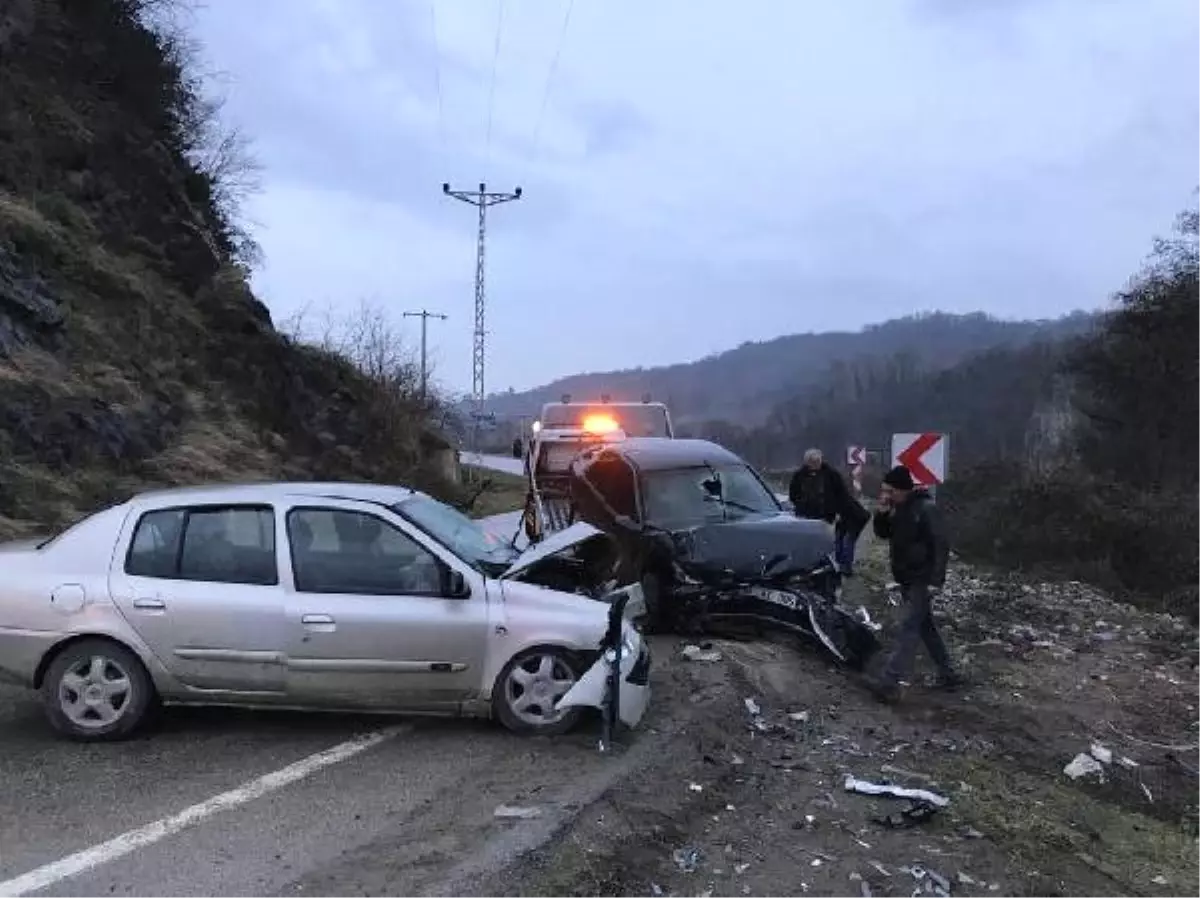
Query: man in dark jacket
[[911, 524], [818, 491]]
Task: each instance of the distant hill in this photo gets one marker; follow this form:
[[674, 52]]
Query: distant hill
[[742, 386]]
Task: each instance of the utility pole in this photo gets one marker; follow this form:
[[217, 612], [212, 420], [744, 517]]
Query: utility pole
[[482, 199], [424, 316]]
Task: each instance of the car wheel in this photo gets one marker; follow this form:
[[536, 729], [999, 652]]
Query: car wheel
[[528, 687], [96, 690]]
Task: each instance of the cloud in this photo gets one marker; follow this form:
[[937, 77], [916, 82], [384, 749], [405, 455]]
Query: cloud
[[761, 168]]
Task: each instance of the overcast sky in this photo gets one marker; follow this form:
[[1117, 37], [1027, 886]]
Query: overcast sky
[[704, 172]]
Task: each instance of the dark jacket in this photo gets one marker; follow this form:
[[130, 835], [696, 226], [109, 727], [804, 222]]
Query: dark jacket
[[819, 494], [916, 539]]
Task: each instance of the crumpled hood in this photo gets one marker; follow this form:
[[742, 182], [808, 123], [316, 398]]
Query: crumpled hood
[[782, 544], [577, 534]]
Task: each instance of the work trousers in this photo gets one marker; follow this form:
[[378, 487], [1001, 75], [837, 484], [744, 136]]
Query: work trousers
[[916, 626]]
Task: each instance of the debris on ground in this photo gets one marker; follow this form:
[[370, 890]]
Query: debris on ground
[[865, 787], [694, 652], [929, 882], [512, 812], [917, 813], [753, 707], [1084, 765], [687, 859]]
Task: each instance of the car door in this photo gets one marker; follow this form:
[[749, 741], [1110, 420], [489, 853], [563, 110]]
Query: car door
[[200, 585], [371, 622]]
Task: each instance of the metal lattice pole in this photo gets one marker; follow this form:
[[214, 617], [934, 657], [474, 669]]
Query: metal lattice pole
[[481, 199]]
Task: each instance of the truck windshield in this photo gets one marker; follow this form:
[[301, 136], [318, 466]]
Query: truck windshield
[[678, 498], [636, 420]]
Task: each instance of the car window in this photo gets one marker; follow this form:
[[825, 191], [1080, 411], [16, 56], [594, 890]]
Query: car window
[[216, 544], [155, 548], [353, 552]]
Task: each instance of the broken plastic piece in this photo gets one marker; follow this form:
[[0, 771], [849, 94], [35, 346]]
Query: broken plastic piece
[[864, 787], [1100, 753], [798, 716], [1083, 765], [752, 707], [512, 812]]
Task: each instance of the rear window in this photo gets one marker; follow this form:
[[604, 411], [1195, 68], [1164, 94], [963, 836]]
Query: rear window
[[216, 544]]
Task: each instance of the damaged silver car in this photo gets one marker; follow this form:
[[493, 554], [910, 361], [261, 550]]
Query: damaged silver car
[[314, 596], [712, 547]]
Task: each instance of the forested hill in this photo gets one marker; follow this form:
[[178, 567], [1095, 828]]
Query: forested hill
[[744, 385]]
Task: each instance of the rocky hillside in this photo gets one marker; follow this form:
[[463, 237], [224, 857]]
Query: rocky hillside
[[132, 350]]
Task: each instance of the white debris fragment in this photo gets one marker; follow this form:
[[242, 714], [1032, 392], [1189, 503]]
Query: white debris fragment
[[695, 787], [1149, 794], [1100, 753], [798, 716], [880, 868], [695, 653], [816, 862], [739, 869], [1083, 765], [1159, 880], [752, 707], [864, 787], [512, 812], [737, 761], [1127, 763]]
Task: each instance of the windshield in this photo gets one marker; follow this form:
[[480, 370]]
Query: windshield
[[635, 420], [480, 548], [678, 498]]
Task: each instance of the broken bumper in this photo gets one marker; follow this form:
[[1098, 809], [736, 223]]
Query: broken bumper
[[592, 689]]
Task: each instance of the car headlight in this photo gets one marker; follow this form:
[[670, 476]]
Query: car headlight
[[631, 645]]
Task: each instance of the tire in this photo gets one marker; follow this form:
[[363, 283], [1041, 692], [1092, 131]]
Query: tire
[[546, 668], [83, 696]]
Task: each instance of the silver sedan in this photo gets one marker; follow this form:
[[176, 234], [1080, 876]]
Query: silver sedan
[[306, 595]]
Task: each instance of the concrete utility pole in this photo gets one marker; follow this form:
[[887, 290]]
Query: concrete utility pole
[[424, 316], [482, 199]]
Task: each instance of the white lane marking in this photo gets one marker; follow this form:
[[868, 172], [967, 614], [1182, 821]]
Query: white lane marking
[[82, 861]]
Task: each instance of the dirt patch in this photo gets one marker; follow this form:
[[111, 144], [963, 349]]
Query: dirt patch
[[748, 804]]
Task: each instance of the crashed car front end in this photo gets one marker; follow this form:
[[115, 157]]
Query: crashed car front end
[[745, 573]]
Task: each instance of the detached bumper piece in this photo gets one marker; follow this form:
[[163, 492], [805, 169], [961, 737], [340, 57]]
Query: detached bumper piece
[[808, 615], [618, 683]]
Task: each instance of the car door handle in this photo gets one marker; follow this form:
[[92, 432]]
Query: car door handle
[[149, 603], [322, 623]]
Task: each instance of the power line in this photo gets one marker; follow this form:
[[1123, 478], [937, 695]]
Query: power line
[[437, 74], [495, 61], [562, 37], [482, 199]]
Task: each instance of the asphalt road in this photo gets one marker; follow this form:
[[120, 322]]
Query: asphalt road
[[225, 802]]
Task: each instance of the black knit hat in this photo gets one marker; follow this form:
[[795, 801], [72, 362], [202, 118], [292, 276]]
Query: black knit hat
[[899, 478]]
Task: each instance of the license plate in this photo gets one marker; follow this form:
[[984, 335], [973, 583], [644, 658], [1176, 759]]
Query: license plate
[[775, 597]]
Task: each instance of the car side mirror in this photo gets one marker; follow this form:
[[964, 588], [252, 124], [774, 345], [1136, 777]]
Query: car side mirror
[[456, 585]]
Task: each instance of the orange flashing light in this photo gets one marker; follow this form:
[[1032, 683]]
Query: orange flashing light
[[600, 424]]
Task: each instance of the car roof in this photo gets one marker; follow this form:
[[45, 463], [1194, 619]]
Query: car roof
[[664, 454], [276, 491]]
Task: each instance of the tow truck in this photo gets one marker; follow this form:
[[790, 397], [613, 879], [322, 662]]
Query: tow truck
[[564, 430]]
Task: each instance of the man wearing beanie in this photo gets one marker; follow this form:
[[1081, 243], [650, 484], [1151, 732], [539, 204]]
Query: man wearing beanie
[[911, 524]]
